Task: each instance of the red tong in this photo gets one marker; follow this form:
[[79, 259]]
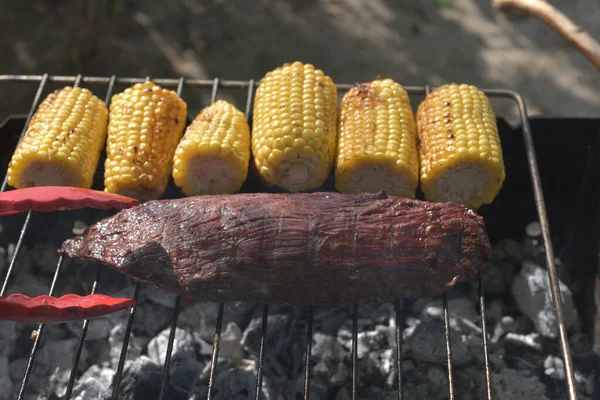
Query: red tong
[[70, 307]]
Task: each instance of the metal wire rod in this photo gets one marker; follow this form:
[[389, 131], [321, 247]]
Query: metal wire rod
[[448, 337], [354, 350], [307, 362], [399, 308], [261, 353]]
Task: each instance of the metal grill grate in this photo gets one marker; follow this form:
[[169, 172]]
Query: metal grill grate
[[398, 306]]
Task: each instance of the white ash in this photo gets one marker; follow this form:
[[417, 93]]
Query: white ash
[[94, 383], [231, 343], [115, 341], [98, 328], [183, 342], [531, 291]]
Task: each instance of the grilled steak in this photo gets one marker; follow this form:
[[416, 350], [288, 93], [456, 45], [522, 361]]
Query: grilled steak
[[320, 248]]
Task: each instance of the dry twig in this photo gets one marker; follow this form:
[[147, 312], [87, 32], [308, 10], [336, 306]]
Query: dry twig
[[559, 22]]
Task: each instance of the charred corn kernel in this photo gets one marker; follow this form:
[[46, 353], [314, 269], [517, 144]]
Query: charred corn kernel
[[294, 133], [213, 156], [377, 145], [460, 151], [145, 125], [63, 141]]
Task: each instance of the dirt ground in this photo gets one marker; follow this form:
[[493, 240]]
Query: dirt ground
[[412, 41]]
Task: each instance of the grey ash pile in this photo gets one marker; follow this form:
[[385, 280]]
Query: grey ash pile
[[524, 356]]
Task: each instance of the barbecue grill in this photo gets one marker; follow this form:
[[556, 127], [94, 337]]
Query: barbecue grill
[[491, 214]]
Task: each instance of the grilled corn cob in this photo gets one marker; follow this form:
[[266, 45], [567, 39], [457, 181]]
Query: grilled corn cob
[[145, 125], [460, 153], [294, 134], [377, 146], [63, 141], [213, 156]]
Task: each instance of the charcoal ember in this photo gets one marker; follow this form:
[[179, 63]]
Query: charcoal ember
[[325, 348], [24, 260], [335, 375], [113, 284], [236, 384], [533, 244], [8, 337], [115, 340], [505, 325], [317, 390], [201, 318], [328, 320], [98, 328], [161, 297], [494, 310], [380, 368], [141, 379], [470, 384], [55, 357], [57, 383], [554, 367], [151, 318], [6, 385], [98, 352], [375, 392], [223, 365], [438, 379], [230, 343], [514, 384], [45, 257], [427, 343], [532, 294], [184, 371], [93, 383], [3, 258], [28, 284], [182, 342], [281, 331]]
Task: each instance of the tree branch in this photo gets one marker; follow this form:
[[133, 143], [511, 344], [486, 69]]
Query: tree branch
[[559, 22]]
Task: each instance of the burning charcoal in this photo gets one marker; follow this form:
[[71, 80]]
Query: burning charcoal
[[98, 328], [280, 329], [8, 336], [57, 383], [235, 384], [554, 367], [184, 372], [494, 309], [201, 318], [439, 382], [151, 318], [98, 351], [6, 385], [325, 348], [336, 375], [427, 344], [183, 342], [374, 392], [533, 245], [496, 278], [329, 319], [513, 384], [141, 380], [25, 261], [28, 284], [117, 334], [45, 257], [318, 389], [230, 343], [93, 384], [373, 340], [3, 259], [505, 325], [531, 291], [223, 365], [470, 384], [380, 368], [508, 250], [160, 297]]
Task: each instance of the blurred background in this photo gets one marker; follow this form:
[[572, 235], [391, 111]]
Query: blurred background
[[413, 41]]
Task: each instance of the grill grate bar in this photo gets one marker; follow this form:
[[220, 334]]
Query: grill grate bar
[[399, 308], [123, 356], [354, 349], [167, 364], [486, 356], [38, 337], [15, 255], [448, 346], [261, 353], [412, 90], [309, 339], [215, 352], [85, 326]]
